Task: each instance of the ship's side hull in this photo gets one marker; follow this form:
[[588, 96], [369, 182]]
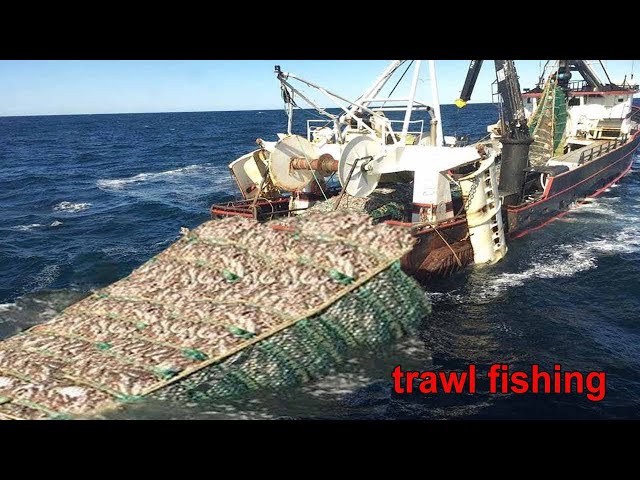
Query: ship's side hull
[[439, 251], [570, 188], [443, 249], [433, 255]]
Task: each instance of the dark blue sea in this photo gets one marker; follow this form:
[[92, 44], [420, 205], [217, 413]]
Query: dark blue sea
[[85, 199]]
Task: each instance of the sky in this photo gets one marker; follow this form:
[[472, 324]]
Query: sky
[[62, 87]]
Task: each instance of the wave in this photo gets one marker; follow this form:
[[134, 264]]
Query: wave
[[120, 252], [33, 226], [599, 208], [45, 278], [564, 261], [71, 207], [570, 259], [337, 384], [26, 228], [35, 308], [121, 183], [6, 306]]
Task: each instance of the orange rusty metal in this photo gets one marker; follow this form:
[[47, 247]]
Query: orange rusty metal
[[325, 164]]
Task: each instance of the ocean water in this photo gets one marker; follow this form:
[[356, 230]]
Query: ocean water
[[86, 199]]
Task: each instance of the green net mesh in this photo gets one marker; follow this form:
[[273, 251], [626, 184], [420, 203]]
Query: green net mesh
[[233, 306], [392, 201], [384, 309], [547, 125]]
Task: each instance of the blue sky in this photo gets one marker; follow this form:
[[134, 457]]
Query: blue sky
[[49, 87]]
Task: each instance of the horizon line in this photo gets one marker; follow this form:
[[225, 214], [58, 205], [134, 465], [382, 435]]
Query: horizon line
[[185, 111]]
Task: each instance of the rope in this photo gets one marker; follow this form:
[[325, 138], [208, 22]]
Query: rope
[[312, 171], [448, 245], [194, 352], [359, 282], [398, 82]]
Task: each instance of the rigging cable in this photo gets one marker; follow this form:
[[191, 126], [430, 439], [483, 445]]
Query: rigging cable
[[401, 77], [312, 171], [287, 96], [605, 72], [541, 78]]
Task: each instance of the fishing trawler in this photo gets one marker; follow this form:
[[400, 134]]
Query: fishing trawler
[[575, 138], [236, 306], [395, 170], [553, 147]]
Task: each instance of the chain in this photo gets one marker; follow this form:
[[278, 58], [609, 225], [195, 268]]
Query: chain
[[472, 191]]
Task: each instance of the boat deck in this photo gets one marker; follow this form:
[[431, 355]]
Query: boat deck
[[588, 152], [578, 156]]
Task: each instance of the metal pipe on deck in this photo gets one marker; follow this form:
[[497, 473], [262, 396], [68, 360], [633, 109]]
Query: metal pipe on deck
[[325, 163], [412, 96], [436, 103]]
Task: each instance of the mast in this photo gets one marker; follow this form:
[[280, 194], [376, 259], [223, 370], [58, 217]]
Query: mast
[[379, 83], [515, 139], [436, 103], [412, 96]]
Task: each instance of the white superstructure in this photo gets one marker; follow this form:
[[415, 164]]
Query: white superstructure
[[368, 147]]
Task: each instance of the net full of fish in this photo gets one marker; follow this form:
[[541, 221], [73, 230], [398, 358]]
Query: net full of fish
[[392, 202], [232, 307]]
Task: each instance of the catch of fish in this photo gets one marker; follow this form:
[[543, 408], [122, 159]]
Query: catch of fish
[[233, 306]]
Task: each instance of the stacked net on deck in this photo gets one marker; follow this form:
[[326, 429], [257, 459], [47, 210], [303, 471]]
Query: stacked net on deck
[[233, 306], [391, 202]]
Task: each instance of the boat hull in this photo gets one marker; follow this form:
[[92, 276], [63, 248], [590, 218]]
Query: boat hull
[[444, 249], [571, 188], [433, 257], [439, 252]]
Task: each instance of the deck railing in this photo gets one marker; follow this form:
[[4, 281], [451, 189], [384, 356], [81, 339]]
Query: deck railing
[[578, 85], [416, 127], [598, 150]]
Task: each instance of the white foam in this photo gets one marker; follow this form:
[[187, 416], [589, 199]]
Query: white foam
[[604, 207], [56, 223], [121, 183], [27, 228], [120, 251], [6, 306], [45, 278], [625, 241], [571, 260], [564, 261], [71, 207], [454, 296], [337, 384]]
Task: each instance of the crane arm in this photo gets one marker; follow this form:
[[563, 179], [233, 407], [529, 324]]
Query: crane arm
[[469, 83], [512, 104], [588, 74]]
